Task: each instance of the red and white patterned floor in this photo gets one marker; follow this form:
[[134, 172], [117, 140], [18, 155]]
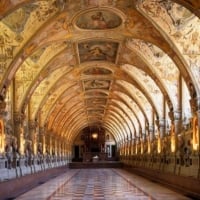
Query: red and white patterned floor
[[100, 184]]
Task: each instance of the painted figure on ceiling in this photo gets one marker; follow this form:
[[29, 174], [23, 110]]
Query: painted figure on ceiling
[[98, 21]]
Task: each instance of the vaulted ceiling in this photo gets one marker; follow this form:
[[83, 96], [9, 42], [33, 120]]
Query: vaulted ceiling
[[109, 63]]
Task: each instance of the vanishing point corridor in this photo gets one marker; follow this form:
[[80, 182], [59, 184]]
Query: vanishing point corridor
[[107, 85]]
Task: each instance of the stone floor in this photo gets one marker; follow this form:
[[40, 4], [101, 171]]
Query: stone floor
[[100, 184]]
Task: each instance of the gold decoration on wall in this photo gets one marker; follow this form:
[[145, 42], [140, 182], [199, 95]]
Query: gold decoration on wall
[[159, 144], [148, 145], [7, 46], [173, 139], [2, 136], [195, 133]]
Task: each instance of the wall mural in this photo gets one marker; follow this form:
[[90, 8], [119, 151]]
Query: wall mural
[[98, 20], [98, 51]]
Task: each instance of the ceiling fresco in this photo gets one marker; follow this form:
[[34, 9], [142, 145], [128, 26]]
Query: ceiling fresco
[[97, 84], [97, 71], [98, 51], [98, 20], [119, 64]]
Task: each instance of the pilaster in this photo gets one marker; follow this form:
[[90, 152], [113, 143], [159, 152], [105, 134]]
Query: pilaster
[[33, 136], [162, 125], [41, 139], [18, 131]]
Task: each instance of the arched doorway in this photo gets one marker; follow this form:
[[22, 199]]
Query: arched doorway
[[94, 144]]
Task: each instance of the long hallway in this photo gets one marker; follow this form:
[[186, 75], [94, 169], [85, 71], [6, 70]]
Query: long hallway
[[100, 184], [94, 82]]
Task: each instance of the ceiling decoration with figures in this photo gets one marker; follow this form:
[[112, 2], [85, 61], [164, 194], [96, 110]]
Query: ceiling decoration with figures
[[117, 64]]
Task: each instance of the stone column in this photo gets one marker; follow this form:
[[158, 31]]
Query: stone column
[[177, 122], [61, 147], [151, 133], [175, 128], [162, 128], [32, 136], [151, 138], [130, 146], [50, 142], [41, 140]]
